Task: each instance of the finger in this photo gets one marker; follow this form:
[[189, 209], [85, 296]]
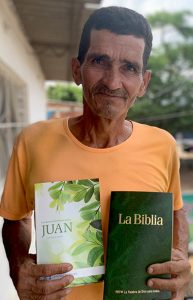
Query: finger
[[32, 256], [48, 270], [170, 267], [172, 284], [174, 295], [177, 255], [30, 259], [60, 295], [46, 287], [178, 295]]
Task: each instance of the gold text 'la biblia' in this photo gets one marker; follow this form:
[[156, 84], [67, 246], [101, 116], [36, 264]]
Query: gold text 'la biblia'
[[138, 219]]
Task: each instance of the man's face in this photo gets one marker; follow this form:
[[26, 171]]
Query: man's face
[[112, 73]]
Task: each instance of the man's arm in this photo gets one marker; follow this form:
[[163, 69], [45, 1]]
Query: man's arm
[[24, 271], [179, 267], [17, 239], [181, 233]]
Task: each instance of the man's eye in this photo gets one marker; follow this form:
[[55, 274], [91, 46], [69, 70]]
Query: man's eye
[[130, 68], [98, 60]]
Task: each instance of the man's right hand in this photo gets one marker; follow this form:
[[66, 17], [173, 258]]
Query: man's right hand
[[29, 286]]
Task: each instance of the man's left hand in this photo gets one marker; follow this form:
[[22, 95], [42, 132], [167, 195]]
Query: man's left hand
[[179, 268]]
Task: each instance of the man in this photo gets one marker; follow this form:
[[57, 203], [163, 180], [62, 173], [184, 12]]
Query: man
[[124, 155]]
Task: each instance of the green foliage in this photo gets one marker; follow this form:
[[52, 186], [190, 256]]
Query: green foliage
[[168, 102], [65, 92], [96, 224], [94, 254], [88, 215], [92, 245], [97, 193], [64, 192], [87, 191], [86, 280], [81, 248], [87, 249], [86, 182], [90, 206], [176, 19], [89, 194]]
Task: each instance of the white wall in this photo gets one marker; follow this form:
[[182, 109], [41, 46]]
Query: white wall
[[17, 56], [16, 53]]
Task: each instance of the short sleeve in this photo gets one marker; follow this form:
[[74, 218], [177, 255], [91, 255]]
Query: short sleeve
[[174, 185], [13, 202]]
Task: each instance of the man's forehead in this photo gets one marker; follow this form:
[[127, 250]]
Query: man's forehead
[[104, 35], [106, 42]]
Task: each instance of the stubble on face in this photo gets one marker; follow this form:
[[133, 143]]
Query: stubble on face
[[101, 89], [116, 51], [105, 99]]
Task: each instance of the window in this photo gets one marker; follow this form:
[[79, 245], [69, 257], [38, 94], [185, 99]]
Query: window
[[13, 113]]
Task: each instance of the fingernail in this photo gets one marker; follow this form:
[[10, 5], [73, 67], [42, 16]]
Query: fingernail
[[150, 270], [69, 267], [150, 283], [70, 278]]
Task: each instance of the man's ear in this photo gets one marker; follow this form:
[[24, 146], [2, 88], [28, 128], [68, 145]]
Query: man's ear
[[145, 83], [76, 73]]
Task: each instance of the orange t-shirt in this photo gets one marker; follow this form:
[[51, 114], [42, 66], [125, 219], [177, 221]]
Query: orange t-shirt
[[47, 151]]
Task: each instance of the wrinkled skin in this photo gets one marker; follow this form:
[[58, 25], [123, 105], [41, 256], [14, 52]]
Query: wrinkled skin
[[24, 271], [179, 267], [33, 288]]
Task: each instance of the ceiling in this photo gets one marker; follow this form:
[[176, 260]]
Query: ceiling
[[53, 28]]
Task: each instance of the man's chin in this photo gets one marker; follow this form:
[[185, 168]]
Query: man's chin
[[107, 113]]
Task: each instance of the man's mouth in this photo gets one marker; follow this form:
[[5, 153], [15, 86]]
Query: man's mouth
[[112, 95]]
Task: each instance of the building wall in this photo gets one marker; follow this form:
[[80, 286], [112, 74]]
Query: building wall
[[18, 64], [16, 54]]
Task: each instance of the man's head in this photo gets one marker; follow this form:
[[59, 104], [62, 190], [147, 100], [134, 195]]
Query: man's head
[[111, 65], [118, 20]]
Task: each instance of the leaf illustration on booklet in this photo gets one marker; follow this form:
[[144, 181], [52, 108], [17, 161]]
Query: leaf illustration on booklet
[[68, 227], [140, 234]]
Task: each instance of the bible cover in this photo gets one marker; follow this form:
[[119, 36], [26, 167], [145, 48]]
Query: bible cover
[[68, 228], [140, 234]]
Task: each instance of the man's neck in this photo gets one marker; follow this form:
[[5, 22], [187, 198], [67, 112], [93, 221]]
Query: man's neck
[[98, 132]]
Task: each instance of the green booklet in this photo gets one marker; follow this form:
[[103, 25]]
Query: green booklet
[[68, 228], [140, 234]]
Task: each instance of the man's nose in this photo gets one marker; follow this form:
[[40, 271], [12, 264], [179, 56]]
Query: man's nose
[[112, 78]]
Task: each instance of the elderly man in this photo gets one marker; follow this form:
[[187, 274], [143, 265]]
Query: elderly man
[[125, 155]]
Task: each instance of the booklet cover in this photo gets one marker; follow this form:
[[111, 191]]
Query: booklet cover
[[140, 234], [68, 228]]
